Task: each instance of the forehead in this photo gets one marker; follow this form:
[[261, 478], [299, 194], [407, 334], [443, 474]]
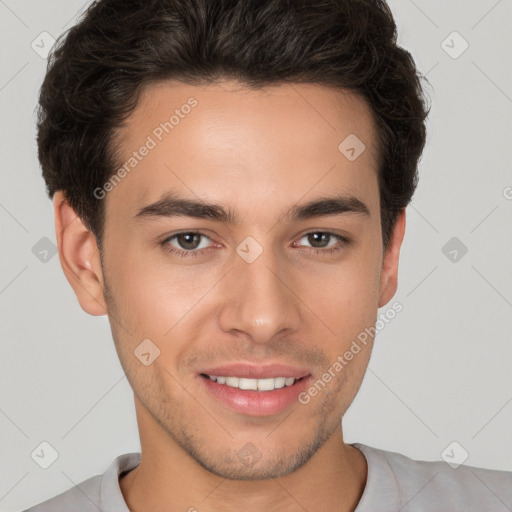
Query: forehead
[[228, 142]]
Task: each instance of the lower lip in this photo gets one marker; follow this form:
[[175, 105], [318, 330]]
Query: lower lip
[[256, 403]]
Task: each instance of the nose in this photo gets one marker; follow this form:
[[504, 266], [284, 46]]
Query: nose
[[259, 299]]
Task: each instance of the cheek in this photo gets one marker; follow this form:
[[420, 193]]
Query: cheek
[[165, 303], [346, 296], [153, 295]]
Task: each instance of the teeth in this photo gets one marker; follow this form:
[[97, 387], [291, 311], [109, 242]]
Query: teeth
[[279, 382], [254, 384], [267, 384], [232, 381], [247, 383]]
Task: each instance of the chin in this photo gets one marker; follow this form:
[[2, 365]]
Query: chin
[[250, 463]]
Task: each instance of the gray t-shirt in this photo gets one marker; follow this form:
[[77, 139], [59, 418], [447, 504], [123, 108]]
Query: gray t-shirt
[[394, 483]]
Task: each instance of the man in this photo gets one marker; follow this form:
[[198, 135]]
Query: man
[[229, 181]]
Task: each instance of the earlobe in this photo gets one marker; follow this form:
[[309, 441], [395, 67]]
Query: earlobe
[[389, 273], [79, 257]]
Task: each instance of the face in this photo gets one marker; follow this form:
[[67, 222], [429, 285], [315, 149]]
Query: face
[[276, 269]]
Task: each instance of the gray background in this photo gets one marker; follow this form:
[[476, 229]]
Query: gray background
[[440, 371]]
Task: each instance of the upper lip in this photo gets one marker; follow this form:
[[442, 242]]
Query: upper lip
[[255, 371]]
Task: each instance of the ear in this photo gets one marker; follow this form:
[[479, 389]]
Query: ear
[[389, 272], [79, 257]]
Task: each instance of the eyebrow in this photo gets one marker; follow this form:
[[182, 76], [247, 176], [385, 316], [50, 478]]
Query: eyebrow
[[172, 205]]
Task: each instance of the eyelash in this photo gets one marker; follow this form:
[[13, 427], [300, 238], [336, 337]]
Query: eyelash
[[194, 253]]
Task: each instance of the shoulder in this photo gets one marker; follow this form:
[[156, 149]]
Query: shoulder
[[84, 497], [434, 485], [100, 492]]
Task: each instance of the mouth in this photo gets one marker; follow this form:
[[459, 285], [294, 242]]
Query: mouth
[[255, 397]]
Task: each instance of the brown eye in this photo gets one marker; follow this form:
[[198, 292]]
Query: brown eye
[[321, 242], [319, 238], [186, 244], [188, 241]]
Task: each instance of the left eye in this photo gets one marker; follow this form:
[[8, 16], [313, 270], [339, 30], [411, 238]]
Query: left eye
[[321, 237]]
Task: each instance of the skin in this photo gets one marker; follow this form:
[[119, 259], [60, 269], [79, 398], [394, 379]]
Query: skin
[[258, 153]]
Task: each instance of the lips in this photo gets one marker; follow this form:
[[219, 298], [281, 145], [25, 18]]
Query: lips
[[255, 390]]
